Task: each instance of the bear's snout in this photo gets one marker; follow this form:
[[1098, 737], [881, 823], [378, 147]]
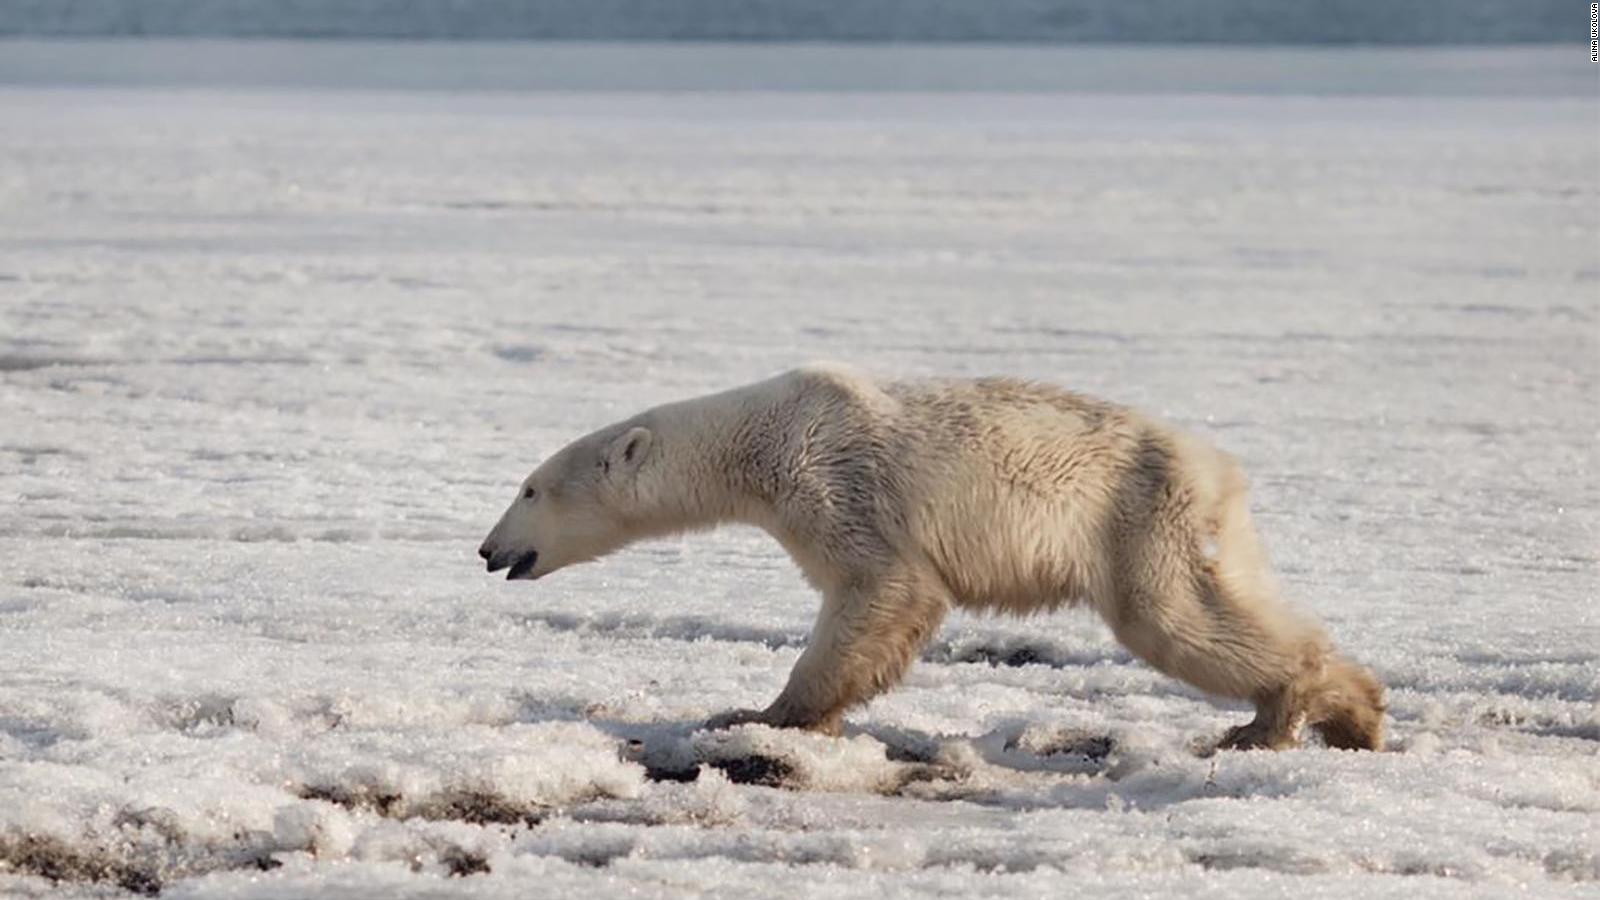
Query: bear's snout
[[494, 559], [519, 564]]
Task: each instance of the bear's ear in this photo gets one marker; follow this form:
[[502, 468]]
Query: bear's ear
[[627, 452]]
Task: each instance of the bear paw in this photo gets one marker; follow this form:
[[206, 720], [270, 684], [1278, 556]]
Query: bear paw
[[1259, 736], [735, 717]]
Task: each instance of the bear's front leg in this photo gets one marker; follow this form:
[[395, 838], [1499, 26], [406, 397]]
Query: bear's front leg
[[863, 642], [734, 717], [775, 718]]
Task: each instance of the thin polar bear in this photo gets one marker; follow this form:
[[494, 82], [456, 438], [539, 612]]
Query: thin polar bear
[[900, 500]]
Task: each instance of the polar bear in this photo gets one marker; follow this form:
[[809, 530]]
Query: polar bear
[[902, 499]]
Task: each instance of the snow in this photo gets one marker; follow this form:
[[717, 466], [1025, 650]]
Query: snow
[[272, 361]]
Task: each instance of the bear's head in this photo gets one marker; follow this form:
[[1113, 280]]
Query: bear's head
[[578, 505]]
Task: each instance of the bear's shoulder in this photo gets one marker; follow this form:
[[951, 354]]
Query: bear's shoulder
[[837, 382], [833, 375]]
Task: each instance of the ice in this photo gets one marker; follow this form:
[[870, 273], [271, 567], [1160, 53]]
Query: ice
[[272, 362]]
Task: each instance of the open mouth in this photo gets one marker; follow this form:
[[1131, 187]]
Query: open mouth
[[523, 565]]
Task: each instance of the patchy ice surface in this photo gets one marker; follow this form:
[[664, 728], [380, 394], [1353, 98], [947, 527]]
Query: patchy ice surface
[[271, 364]]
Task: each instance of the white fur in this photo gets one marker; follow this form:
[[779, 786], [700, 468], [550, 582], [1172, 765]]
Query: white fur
[[901, 499]]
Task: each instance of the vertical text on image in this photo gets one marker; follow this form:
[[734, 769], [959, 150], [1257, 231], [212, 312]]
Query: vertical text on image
[[1594, 32]]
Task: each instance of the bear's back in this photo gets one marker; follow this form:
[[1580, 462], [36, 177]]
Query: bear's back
[[1008, 488], [1014, 484]]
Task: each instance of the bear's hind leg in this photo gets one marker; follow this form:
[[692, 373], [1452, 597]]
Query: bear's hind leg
[[1190, 592], [1190, 630], [865, 639], [1218, 624]]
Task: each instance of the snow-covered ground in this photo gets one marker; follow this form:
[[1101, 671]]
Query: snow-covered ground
[[272, 362]]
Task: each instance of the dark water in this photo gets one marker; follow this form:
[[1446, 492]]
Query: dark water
[[1139, 21], [1514, 71]]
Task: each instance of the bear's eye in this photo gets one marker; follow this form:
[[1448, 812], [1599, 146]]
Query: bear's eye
[[529, 493]]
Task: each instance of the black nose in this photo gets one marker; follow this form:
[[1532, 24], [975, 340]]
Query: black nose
[[485, 552]]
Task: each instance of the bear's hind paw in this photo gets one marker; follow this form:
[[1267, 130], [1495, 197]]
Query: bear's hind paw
[[1256, 736]]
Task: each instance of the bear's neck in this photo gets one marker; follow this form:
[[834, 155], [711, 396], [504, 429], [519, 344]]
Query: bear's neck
[[708, 456]]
